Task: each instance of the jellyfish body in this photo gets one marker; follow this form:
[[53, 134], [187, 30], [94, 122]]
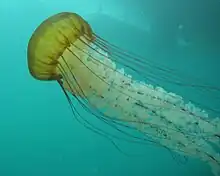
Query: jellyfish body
[[64, 48]]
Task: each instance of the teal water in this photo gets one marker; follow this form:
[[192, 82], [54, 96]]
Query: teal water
[[38, 134]]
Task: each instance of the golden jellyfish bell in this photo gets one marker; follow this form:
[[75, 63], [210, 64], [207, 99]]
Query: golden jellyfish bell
[[50, 40]]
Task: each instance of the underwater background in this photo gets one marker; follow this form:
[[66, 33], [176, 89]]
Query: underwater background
[[38, 133]]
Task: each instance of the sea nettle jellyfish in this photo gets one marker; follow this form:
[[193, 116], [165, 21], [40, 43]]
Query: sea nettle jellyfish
[[65, 49]]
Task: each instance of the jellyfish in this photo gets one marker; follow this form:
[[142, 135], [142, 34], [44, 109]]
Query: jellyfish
[[64, 48]]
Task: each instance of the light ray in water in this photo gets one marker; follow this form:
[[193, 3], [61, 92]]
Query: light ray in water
[[64, 49]]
